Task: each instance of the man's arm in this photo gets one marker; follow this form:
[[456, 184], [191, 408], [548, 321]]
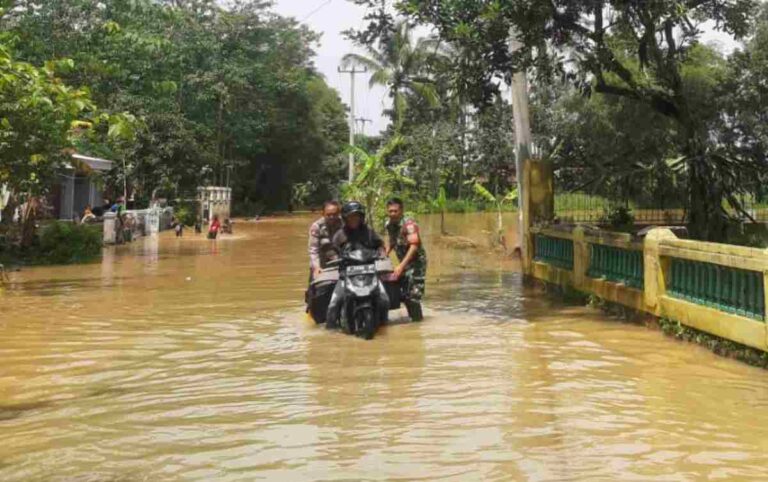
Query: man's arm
[[414, 242]]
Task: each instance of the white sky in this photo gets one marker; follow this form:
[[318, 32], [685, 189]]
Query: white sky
[[331, 17]]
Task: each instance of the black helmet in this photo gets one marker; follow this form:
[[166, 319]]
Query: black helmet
[[352, 207]]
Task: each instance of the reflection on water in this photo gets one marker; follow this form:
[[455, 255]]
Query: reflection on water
[[190, 360]]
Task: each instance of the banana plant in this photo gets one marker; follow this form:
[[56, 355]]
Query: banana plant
[[439, 204], [498, 201], [376, 180]]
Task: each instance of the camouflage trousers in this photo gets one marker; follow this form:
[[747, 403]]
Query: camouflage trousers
[[414, 281]]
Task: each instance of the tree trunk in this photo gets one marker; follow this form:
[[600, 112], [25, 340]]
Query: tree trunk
[[442, 221], [10, 209], [28, 218]]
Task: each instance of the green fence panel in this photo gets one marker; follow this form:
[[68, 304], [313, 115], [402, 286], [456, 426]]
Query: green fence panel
[[555, 251], [617, 265], [731, 290]]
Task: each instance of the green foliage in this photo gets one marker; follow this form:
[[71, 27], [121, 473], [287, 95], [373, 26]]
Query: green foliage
[[37, 113], [499, 201], [218, 92], [376, 180], [399, 64], [621, 218], [186, 214], [65, 243], [647, 56]]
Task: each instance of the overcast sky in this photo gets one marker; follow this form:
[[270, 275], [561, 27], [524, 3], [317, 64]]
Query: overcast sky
[[331, 17]]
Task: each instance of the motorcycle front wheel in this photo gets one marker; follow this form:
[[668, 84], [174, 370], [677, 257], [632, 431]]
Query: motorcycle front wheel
[[365, 323]]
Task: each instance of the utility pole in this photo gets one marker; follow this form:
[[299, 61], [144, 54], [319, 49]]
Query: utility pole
[[363, 121], [352, 72], [522, 141]]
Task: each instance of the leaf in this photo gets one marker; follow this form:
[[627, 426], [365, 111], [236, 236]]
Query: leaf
[[484, 193]]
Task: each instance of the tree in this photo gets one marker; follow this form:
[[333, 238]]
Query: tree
[[399, 65], [39, 115], [376, 179], [223, 92], [630, 49]]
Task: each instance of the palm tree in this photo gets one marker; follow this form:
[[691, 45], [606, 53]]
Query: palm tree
[[400, 65]]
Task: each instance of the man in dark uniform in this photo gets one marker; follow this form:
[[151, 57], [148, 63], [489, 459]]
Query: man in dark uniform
[[405, 240]]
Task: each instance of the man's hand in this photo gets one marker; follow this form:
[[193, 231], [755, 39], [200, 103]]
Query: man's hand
[[398, 272], [318, 271]]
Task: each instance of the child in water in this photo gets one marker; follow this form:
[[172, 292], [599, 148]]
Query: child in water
[[214, 228]]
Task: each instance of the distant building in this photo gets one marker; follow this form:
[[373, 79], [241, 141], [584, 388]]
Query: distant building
[[214, 200], [78, 186]]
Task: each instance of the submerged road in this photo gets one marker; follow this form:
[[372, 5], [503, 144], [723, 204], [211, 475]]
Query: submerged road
[[183, 359]]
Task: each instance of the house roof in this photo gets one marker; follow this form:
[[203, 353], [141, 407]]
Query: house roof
[[95, 163]]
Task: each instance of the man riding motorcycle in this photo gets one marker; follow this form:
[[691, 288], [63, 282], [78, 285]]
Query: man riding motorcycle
[[355, 234], [405, 240]]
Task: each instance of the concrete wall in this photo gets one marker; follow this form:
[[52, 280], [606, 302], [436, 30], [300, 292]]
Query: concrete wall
[[660, 247], [660, 250]]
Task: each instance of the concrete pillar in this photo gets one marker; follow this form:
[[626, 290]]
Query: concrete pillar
[[537, 204], [656, 268], [581, 257], [110, 224]]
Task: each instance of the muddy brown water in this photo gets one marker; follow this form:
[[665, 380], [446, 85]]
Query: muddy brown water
[[192, 360]]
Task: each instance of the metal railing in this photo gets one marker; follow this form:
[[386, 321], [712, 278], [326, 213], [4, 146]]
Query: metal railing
[[732, 290], [617, 265], [555, 251]]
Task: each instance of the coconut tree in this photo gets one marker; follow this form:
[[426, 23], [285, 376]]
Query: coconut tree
[[401, 65]]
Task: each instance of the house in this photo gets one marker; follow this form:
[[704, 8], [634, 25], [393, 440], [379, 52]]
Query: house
[[78, 186]]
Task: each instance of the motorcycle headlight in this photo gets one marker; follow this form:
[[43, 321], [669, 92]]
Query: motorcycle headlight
[[362, 281]]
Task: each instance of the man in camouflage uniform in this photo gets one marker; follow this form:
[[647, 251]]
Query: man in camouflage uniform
[[405, 240], [321, 249]]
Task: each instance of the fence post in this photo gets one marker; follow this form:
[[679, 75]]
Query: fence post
[[765, 297], [537, 204], [656, 268], [581, 257]]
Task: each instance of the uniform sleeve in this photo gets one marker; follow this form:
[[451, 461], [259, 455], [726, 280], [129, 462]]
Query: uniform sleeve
[[314, 246], [412, 233], [338, 240]]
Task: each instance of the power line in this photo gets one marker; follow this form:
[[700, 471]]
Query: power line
[[320, 7]]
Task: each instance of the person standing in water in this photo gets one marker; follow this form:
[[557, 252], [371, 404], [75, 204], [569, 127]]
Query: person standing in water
[[405, 240], [215, 227]]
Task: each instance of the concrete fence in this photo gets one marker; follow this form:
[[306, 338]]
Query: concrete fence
[[144, 222], [716, 288]]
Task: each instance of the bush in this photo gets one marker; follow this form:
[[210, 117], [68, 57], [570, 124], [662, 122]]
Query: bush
[[185, 214], [64, 243]]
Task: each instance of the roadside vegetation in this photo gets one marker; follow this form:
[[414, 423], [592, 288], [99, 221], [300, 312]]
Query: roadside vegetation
[[627, 102]]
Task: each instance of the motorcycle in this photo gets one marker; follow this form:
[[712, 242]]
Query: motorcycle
[[361, 271]]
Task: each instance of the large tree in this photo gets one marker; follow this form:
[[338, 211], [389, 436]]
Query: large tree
[[633, 49], [224, 92], [400, 64]]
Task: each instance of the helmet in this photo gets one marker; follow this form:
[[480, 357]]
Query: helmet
[[352, 207]]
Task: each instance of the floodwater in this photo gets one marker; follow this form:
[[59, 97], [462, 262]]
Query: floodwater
[[192, 360]]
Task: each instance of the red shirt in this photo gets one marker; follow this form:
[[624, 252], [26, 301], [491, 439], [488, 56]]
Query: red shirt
[[215, 225]]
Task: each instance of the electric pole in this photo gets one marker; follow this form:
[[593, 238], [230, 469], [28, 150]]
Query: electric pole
[[522, 139], [363, 121], [352, 72]]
